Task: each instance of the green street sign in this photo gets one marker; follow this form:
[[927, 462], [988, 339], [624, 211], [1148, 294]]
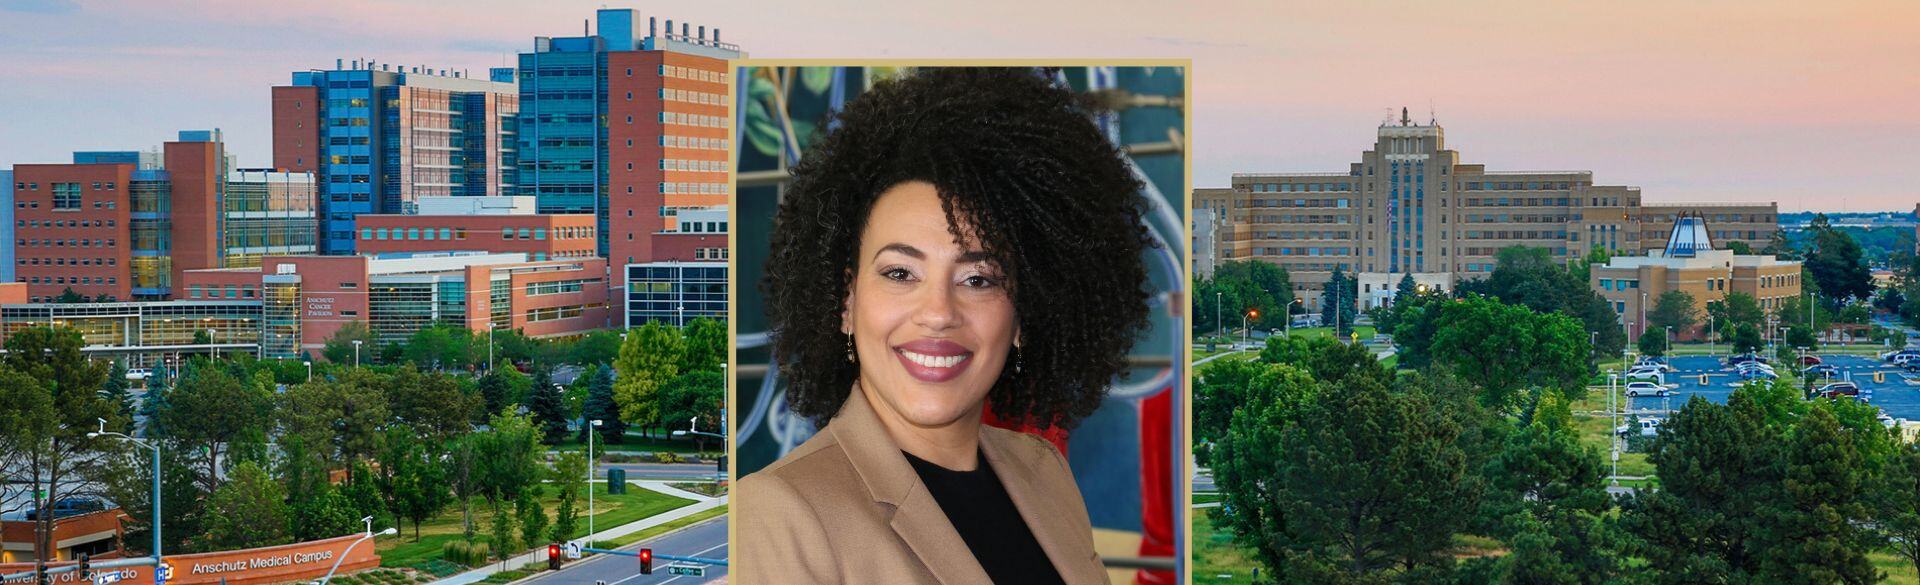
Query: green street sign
[[689, 571]]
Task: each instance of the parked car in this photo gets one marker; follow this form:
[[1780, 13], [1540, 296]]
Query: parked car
[[1753, 367], [1648, 427], [1905, 358], [1650, 373], [1839, 389], [1735, 360], [1810, 360], [1824, 371], [139, 374], [1888, 356], [70, 507], [1758, 374], [1654, 362], [1647, 389]]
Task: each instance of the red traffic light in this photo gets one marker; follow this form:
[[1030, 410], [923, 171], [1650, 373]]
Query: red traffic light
[[646, 561], [553, 557]]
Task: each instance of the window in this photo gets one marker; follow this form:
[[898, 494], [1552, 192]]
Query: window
[[66, 195], [506, 233]]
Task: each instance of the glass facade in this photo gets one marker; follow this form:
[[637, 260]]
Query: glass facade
[[675, 292], [141, 324], [398, 310], [280, 316], [562, 90], [267, 214]]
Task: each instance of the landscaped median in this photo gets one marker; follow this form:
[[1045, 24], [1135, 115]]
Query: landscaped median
[[610, 510]]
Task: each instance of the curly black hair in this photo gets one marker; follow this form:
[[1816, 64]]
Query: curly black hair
[[1049, 199]]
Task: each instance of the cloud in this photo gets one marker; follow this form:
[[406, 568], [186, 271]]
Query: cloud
[[40, 6]]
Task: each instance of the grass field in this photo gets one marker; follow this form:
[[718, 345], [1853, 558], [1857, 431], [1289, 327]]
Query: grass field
[[1216, 559], [612, 510]]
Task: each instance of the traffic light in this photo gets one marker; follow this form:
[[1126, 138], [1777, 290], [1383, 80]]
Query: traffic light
[[646, 561], [86, 566], [553, 557]]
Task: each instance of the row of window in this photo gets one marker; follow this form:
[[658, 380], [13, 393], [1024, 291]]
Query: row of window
[[558, 287], [1517, 201], [694, 97], [1300, 187], [1334, 203], [693, 74], [709, 253], [1282, 235], [35, 186], [1619, 284], [702, 227], [694, 142], [554, 313], [675, 164], [56, 280], [1515, 235], [68, 261], [1335, 219], [1509, 218], [66, 243], [696, 120], [1518, 186], [224, 292], [62, 223], [693, 188]]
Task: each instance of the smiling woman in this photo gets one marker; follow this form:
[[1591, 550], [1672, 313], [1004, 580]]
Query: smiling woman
[[934, 261]]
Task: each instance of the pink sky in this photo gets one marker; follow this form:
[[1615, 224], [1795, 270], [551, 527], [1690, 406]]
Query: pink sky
[[1815, 105]]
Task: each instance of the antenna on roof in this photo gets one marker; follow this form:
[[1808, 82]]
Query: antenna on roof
[[1404, 120], [1432, 120]]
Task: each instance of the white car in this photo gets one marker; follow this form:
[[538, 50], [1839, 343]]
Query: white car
[[1648, 427], [139, 374], [1647, 362], [1905, 358], [1654, 374], [1750, 366], [1649, 389]]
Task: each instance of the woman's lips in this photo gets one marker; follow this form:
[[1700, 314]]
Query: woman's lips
[[933, 360]]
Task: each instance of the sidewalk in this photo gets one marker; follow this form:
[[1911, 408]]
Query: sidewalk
[[539, 555]]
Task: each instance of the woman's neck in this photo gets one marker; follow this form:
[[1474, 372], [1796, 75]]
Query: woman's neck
[[955, 445]]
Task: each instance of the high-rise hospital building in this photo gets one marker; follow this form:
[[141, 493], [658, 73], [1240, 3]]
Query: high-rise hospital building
[[1411, 206]]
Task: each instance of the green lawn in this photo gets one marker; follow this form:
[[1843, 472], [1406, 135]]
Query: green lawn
[[1366, 332], [1216, 559], [1898, 570], [612, 510], [663, 528]]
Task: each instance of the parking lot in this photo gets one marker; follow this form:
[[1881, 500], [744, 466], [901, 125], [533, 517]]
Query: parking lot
[[1893, 395]]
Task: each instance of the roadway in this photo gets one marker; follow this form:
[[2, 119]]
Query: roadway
[[706, 540], [661, 471]]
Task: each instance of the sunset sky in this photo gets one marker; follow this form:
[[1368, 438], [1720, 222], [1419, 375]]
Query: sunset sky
[[1815, 105]]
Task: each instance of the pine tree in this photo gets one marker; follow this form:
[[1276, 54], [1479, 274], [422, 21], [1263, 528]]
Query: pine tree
[[547, 407], [115, 389], [601, 405]]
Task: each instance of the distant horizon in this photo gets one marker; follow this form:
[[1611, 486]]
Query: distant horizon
[[1719, 101]]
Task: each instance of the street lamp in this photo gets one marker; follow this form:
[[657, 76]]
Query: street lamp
[[156, 480], [356, 353], [1217, 325], [1245, 330], [1613, 416], [309, 369], [1669, 339], [490, 347], [390, 531], [212, 339], [1289, 315], [591, 460]]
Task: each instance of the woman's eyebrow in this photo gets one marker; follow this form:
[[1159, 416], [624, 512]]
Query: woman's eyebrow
[[910, 251]]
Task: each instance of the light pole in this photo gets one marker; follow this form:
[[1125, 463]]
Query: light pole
[[390, 531], [309, 370], [692, 430], [1246, 330], [1217, 325], [214, 340], [591, 461], [1289, 315], [156, 480], [356, 353], [1669, 340], [489, 347], [1613, 416]]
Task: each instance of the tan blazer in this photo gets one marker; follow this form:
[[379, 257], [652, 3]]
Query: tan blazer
[[846, 507]]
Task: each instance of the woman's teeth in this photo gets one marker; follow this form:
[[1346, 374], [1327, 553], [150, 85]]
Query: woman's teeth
[[932, 361]]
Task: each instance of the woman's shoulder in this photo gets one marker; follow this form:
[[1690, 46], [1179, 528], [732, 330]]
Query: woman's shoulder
[[810, 468], [1027, 448]]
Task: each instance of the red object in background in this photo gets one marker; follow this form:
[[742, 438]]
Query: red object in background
[[1055, 435], [1156, 485]]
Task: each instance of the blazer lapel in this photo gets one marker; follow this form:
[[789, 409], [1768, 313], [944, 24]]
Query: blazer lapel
[[917, 518], [1064, 545]]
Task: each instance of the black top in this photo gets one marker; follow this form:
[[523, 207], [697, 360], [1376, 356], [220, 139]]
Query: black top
[[979, 508]]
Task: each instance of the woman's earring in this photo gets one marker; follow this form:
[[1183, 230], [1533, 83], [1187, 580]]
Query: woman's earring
[[1017, 359], [850, 359]]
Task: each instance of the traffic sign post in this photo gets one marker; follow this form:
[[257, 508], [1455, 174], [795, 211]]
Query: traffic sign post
[[688, 570], [573, 550]]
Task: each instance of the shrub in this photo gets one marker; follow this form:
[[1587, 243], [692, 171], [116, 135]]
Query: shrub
[[466, 553], [665, 457]]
